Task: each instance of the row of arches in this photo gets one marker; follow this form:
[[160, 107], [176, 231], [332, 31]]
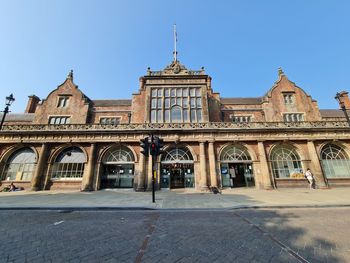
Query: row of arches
[[177, 164]]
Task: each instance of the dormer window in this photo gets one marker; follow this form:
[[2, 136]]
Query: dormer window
[[109, 120], [56, 120], [293, 117], [288, 98], [62, 101], [241, 119]]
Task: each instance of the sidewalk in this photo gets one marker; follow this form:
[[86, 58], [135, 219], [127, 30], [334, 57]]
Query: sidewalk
[[175, 199]]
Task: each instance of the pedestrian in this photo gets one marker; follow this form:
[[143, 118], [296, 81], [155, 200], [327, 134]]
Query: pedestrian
[[12, 187], [309, 176], [232, 172]]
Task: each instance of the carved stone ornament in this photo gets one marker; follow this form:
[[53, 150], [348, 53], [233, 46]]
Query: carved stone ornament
[[175, 68]]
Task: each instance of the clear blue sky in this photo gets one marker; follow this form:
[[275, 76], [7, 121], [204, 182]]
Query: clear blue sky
[[110, 44]]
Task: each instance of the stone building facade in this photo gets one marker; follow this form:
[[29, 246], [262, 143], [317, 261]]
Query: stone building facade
[[68, 140]]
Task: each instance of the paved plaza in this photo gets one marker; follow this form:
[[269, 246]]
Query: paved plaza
[[239, 225], [232, 235]]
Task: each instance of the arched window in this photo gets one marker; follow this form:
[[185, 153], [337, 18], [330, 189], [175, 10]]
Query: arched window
[[20, 165], [234, 154], [285, 162], [120, 155], [335, 161], [177, 155], [69, 164]]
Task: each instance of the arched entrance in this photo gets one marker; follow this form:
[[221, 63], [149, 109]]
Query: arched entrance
[[236, 167], [20, 165], [335, 162], [177, 169], [118, 168]]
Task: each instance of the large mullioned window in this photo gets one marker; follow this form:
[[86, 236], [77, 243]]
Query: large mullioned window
[[285, 162], [20, 165], [176, 105], [69, 164], [335, 161]]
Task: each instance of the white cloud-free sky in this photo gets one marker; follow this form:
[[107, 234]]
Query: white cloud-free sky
[[110, 44]]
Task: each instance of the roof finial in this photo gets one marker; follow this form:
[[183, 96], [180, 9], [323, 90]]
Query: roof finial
[[280, 71], [70, 74], [175, 41]]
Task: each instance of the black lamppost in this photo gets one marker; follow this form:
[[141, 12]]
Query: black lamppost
[[8, 103], [342, 106]]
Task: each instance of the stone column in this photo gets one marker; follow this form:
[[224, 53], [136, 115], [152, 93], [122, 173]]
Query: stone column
[[141, 174], [315, 165], [202, 160], [89, 172], [266, 178], [37, 176], [149, 174], [212, 165]]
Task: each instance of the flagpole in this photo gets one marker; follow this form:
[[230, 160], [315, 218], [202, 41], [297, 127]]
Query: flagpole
[[175, 40]]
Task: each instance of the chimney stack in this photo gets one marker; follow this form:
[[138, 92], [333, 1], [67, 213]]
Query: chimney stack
[[32, 103]]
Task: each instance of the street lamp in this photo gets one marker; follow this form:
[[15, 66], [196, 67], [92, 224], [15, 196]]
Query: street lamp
[[8, 103], [342, 106]]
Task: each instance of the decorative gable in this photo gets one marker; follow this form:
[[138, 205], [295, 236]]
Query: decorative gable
[[64, 105], [286, 99]]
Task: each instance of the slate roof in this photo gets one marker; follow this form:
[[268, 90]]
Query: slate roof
[[332, 113], [106, 103], [241, 101], [27, 117]]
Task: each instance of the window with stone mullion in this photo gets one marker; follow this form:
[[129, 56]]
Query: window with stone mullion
[[174, 105]]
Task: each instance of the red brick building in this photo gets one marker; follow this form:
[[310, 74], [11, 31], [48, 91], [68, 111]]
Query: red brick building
[[68, 140]]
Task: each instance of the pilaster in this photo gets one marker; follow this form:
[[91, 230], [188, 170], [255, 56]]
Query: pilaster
[[141, 174], [89, 172], [37, 177], [265, 173], [149, 174], [315, 168], [203, 166], [212, 165]]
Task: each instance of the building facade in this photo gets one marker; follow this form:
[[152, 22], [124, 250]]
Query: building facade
[[69, 141]]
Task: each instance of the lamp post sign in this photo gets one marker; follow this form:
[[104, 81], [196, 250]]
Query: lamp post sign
[[8, 103]]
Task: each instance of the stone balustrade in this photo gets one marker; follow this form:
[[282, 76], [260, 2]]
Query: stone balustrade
[[224, 126], [188, 72]]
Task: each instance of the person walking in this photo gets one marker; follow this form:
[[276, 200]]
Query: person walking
[[309, 176], [232, 172]]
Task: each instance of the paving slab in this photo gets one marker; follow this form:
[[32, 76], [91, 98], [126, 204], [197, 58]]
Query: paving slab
[[177, 199]]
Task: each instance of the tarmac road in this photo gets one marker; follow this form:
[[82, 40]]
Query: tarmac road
[[247, 235]]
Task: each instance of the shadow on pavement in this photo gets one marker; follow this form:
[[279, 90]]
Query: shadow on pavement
[[300, 232]]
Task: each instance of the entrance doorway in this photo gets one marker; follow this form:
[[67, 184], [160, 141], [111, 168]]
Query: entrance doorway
[[237, 175], [118, 168], [178, 175], [177, 169], [117, 176], [236, 167]]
